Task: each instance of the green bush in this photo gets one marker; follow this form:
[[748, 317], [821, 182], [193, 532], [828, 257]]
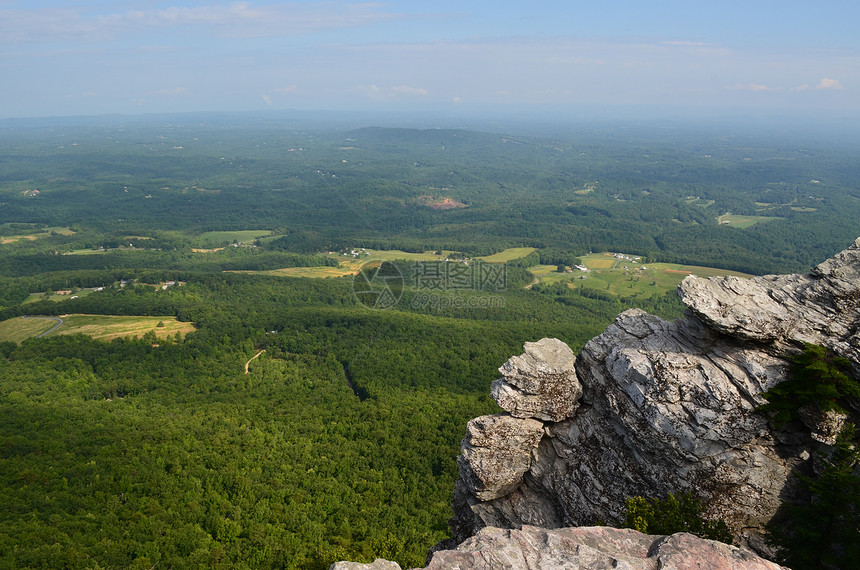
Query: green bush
[[671, 515], [817, 376], [824, 530]]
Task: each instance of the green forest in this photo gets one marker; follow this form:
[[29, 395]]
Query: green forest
[[340, 441]]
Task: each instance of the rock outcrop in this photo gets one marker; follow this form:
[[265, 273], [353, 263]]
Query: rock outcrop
[[540, 384], [665, 407], [593, 548], [496, 453], [648, 408], [822, 307], [583, 548]]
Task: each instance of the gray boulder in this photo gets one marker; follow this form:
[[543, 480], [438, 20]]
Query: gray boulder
[[583, 548], [378, 564], [541, 383], [496, 452], [593, 548]]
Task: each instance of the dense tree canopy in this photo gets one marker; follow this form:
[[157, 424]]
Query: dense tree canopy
[[341, 440]]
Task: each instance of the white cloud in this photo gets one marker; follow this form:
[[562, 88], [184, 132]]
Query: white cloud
[[829, 84], [406, 90], [266, 99], [287, 89], [755, 87], [384, 94], [234, 20], [176, 91], [803, 87]]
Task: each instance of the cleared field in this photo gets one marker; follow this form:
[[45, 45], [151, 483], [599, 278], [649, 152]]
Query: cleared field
[[348, 265], [108, 327], [549, 274], [598, 260], [627, 278], [509, 254], [38, 233], [54, 297], [313, 272], [19, 328], [12, 239], [100, 327], [743, 222], [241, 236], [393, 254], [86, 252], [696, 201]]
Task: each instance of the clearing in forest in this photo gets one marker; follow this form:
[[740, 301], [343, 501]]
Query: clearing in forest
[[214, 239], [509, 254], [100, 327], [626, 277], [743, 222]]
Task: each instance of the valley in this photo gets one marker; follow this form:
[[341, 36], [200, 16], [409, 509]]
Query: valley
[[371, 284]]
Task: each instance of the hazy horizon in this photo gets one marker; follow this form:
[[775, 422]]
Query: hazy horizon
[[567, 59]]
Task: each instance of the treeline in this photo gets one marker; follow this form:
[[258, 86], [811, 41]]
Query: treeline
[[232, 259]]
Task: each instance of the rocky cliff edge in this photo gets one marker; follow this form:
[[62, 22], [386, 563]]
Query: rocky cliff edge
[[665, 407], [647, 408]]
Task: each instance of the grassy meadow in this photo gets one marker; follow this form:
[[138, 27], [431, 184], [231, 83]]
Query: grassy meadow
[[213, 239], [509, 254], [20, 329], [626, 278], [743, 222], [99, 327]]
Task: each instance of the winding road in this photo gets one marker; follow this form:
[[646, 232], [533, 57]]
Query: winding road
[[50, 330], [248, 364]]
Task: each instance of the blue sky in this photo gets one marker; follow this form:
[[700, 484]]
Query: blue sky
[[147, 56]]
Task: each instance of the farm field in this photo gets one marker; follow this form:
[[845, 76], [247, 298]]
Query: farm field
[[348, 265], [54, 297], [743, 222], [509, 254], [100, 327], [36, 234], [312, 272], [213, 239], [19, 329], [627, 278]]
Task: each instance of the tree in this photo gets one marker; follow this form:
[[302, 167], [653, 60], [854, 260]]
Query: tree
[[671, 515], [824, 530], [817, 377]]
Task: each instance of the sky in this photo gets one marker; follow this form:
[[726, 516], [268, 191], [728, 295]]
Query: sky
[[61, 58]]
